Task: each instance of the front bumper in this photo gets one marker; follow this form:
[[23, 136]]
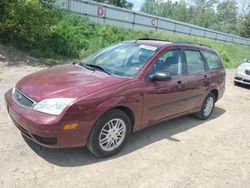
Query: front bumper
[[44, 129], [242, 78]]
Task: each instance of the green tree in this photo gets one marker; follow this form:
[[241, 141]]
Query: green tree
[[151, 7], [204, 13], [26, 22], [205, 4], [201, 13], [119, 3], [244, 27], [176, 10], [227, 12], [213, 14]]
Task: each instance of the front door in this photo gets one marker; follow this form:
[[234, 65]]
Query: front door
[[163, 99]]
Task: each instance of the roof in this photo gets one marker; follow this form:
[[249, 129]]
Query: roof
[[156, 43], [162, 43]]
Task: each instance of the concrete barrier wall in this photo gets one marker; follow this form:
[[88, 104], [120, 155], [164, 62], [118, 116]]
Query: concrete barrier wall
[[108, 14]]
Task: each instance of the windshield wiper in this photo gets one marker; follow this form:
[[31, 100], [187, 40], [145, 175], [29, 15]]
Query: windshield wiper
[[86, 66], [98, 67]]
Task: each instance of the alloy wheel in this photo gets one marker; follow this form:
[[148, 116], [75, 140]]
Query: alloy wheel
[[112, 134]]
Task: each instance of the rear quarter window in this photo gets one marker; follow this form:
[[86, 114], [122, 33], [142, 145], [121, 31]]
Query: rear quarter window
[[213, 60]]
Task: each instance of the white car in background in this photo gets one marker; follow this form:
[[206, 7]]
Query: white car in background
[[242, 75]]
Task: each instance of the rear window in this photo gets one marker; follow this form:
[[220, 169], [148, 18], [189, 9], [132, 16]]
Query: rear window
[[213, 60]]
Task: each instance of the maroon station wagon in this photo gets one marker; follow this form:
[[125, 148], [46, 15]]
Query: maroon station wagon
[[120, 89]]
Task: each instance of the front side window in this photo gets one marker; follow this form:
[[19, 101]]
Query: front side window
[[123, 59], [195, 63], [213, 60], [170, 62]]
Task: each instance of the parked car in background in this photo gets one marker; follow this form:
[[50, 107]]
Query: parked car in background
[[121, 89], [242, 75]]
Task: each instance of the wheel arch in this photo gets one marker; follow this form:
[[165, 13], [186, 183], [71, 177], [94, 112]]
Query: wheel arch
[[125, 109], [91, 141], [216, 93], [128, 112]]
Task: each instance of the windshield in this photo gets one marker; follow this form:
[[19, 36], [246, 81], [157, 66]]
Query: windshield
[[124, 59]]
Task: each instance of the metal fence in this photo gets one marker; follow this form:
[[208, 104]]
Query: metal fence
[[108, 14]]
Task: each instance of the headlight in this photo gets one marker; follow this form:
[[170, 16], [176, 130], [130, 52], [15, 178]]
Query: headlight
[[53, 106], [241, 70]]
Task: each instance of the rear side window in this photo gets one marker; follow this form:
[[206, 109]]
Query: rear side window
[[213, 60], [195, 63]]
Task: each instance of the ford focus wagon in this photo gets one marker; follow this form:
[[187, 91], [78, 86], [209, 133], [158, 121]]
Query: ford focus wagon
[[118, 90]]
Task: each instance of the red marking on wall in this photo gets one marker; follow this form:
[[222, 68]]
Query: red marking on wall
[[100, 11], [154, 22]]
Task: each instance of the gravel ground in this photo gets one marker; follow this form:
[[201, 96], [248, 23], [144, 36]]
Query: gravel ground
[[184, 152]]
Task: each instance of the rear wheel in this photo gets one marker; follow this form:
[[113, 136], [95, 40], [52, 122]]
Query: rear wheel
[[207, 107], [109, 133]]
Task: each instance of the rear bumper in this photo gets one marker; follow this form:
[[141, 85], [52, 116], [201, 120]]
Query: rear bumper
[[221, 92], [44, 129]]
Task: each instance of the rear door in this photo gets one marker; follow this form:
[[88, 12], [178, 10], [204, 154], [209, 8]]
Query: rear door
[[197, 77]]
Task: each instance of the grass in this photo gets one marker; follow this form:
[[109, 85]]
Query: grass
[[74, 37], [87, 37]]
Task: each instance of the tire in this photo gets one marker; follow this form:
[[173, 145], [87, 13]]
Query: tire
[[206, 108], [109, 133]]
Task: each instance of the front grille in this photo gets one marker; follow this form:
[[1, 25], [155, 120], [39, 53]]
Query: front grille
[[247, 72], [238, 78], [22, 99], [246, 80]]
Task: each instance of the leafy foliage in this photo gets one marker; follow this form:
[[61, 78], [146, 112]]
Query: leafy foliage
[[26, 23], [213, 14], [119, 3], [244, 27], [43, 31]]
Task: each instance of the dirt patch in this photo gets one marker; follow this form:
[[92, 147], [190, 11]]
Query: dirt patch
[[12, 56], [184, 152]]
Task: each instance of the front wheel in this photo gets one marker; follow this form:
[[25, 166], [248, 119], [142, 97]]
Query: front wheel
[[207, 107], [109, 133]]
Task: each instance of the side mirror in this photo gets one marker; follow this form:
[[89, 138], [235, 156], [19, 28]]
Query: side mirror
[[159, 76]]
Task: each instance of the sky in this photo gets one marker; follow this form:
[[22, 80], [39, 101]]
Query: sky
[[138, 3]]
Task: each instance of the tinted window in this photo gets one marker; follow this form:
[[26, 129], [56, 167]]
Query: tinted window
[[169, 62], [195, 62], [213, 60]]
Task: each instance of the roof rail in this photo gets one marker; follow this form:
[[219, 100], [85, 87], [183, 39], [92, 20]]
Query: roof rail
[[176, 42], [190, 42], [152, 39]]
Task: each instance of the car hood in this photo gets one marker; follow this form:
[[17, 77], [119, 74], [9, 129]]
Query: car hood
[[66, 81], [245, 65]]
